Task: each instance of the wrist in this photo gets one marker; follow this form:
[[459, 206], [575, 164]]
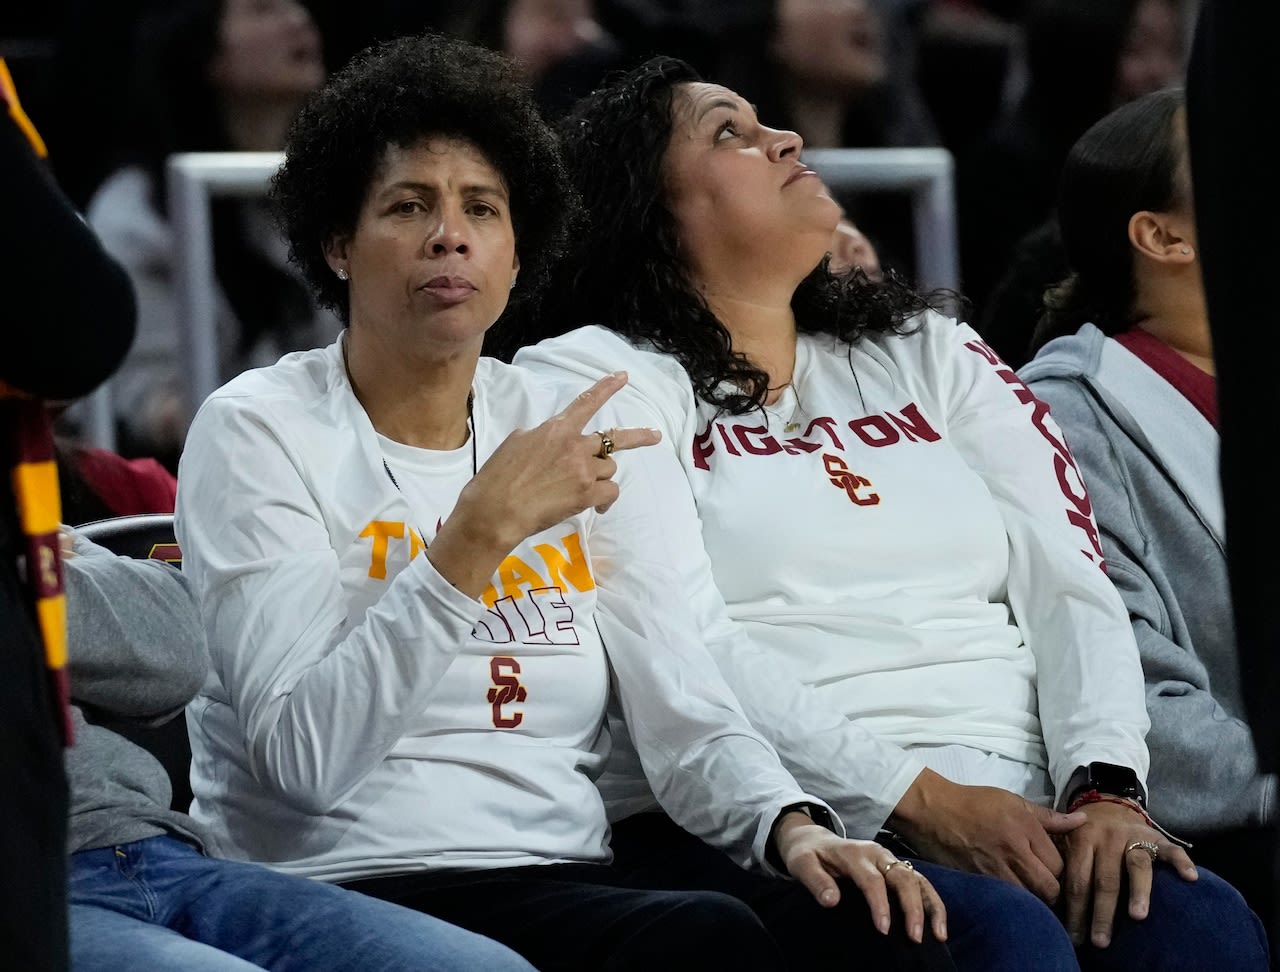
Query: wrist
[[1091, 797], [791, 819], [925, 799]]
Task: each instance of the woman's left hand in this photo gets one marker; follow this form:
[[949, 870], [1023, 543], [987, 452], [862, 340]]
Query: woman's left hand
[[1114, 837], [815, 857]]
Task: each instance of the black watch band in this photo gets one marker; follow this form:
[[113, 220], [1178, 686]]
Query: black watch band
[[1108, 778]]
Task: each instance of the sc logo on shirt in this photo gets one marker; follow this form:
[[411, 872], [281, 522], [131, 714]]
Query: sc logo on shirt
[[506, 689]]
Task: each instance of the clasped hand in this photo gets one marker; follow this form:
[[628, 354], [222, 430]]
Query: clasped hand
[[1073, 861], [1098, 854]]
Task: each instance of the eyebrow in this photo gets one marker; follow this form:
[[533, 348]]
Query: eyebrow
[[477, 188], [721, 103]]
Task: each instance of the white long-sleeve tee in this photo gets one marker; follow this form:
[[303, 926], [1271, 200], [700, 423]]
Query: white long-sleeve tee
[[363, 717], [908, 558]]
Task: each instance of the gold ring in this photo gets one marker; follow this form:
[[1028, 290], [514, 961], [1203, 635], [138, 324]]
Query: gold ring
[[1150, 846], [606, 446], [892, 864]]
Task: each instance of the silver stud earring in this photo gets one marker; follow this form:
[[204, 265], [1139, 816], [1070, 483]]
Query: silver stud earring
[[1186, 251], [513, 283], [342, 274]]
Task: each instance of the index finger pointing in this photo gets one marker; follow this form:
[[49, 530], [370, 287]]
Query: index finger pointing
[[579, 411]]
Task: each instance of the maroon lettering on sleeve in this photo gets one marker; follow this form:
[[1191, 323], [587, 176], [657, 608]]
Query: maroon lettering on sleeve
[[1066, 473]]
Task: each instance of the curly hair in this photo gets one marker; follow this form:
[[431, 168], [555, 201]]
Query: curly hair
[[397, 94], [628, 272], [1130, 160]]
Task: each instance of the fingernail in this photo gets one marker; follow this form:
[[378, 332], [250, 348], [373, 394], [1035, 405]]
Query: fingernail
[[917, 933], [828, 897], [1101, 940], [882, 923], [619, 374]]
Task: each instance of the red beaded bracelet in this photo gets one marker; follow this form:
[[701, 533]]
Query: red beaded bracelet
[[1093, 796]]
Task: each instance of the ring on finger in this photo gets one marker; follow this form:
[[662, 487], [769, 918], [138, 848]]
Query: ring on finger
[[606, 445], [892, 864], [1149, 846]]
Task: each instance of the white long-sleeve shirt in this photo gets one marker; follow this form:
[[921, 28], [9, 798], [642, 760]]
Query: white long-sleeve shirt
[[364, 717], [908, 559]]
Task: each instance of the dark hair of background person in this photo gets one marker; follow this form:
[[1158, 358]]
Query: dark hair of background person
[[1007, 178], [400, 93], [175, 109], [1125, 163], [627, 271], [1016, 303]]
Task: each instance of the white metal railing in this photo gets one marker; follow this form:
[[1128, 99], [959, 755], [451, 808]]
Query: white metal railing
[[928, 174], [193, 178]]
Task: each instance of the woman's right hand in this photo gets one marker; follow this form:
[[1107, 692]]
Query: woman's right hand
[[815, 857], [534, 480]]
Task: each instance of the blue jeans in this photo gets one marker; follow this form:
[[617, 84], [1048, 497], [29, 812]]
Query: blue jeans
[[1192, 926], [160, 904], [995, 926], [992, 926]]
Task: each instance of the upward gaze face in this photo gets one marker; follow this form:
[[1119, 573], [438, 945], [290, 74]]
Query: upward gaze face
[[738, 190]]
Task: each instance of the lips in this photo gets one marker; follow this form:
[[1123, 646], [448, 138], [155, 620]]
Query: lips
[[800, 172], [449, 290]]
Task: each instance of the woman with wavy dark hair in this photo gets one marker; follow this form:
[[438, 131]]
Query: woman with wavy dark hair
[[425, 588], [1126, 361], [916, 611]]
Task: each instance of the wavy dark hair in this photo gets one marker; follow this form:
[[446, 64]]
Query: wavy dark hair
[[627, 271], [400, 93], [1129, 161]]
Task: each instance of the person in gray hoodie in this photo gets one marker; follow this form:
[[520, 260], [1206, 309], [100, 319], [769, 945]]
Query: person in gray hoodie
[[1123, 357], [145, 887]]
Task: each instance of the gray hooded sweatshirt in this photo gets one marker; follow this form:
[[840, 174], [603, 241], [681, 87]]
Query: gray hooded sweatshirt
[[136, 654], [1149, 459]]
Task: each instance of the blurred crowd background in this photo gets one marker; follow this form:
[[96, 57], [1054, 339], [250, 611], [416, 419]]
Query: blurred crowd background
[[1005, 85]]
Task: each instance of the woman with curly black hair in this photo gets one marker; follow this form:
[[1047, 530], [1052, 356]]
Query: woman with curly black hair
[[421, 602], [917, 615]]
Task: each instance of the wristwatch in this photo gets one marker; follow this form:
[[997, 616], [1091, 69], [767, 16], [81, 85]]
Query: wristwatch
[[1107, 778]]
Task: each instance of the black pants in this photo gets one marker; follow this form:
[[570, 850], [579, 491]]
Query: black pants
[[584, 917], [668, 902], [652, 851]]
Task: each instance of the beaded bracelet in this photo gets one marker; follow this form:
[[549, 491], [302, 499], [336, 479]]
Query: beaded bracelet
[[1093, 796]]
